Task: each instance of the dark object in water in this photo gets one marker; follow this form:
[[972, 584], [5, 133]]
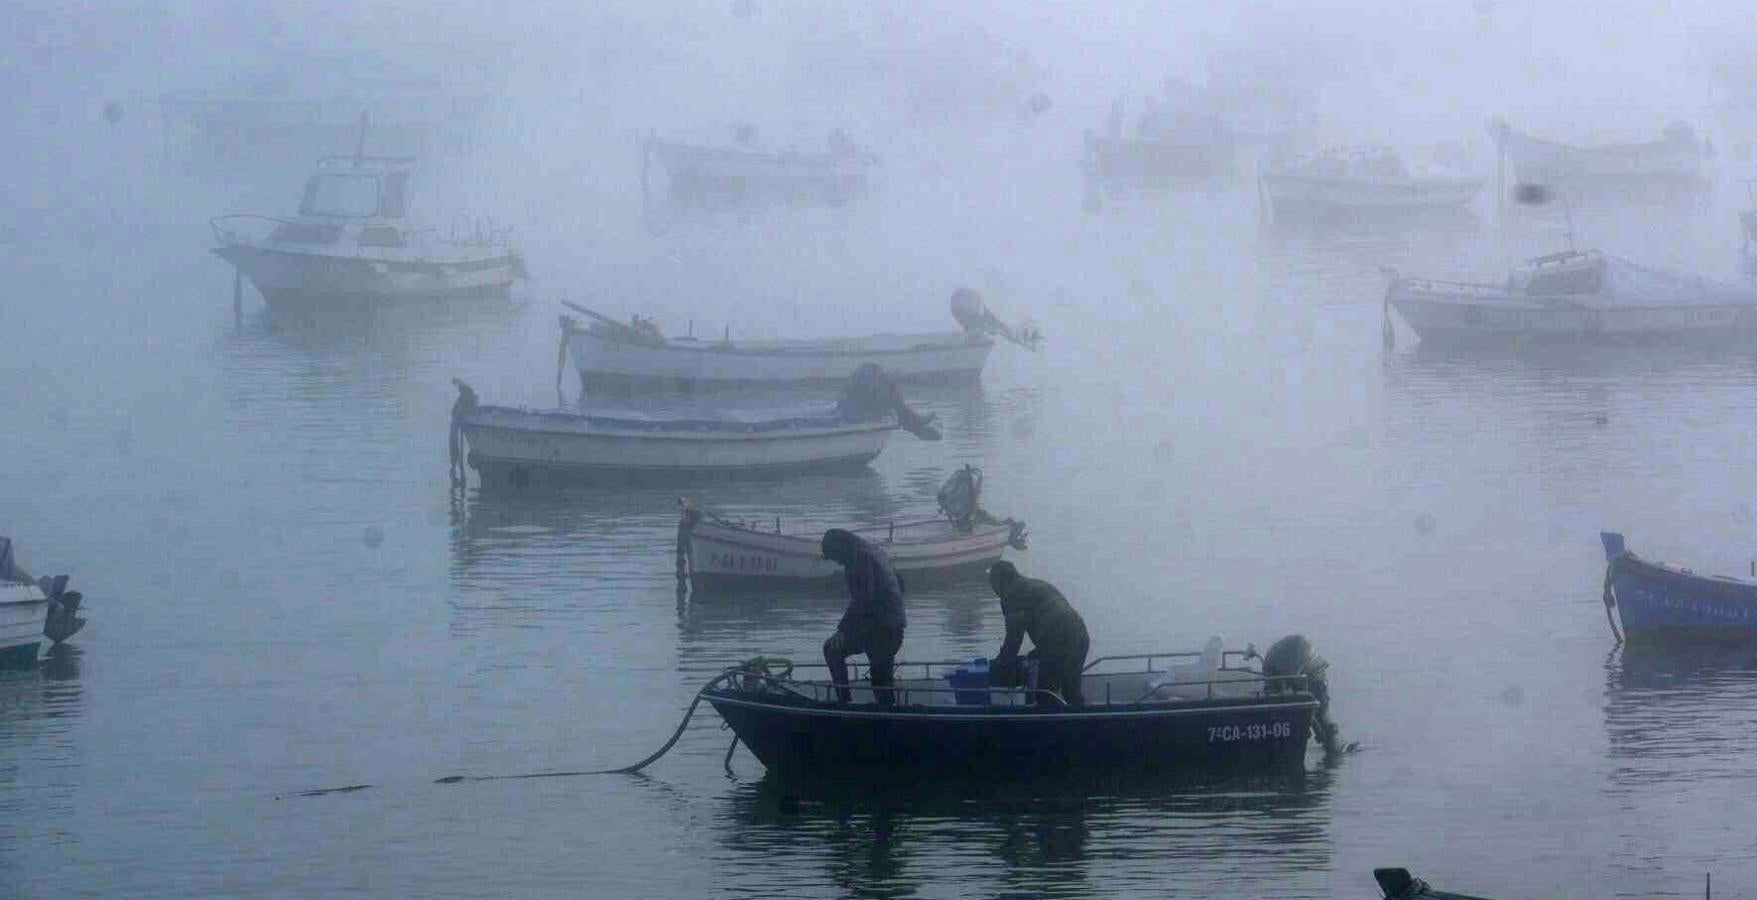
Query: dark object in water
[[1657, 600], [1398, 884], [1531, 194], [871, 394]]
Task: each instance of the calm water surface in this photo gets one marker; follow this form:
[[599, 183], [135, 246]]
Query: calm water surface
[[285, 596]]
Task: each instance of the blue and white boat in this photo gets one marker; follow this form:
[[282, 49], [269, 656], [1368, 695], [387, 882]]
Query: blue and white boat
[[31, 610], [1656, 599]]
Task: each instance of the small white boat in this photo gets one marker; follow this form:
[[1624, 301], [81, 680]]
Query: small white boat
[[24, 610], [716, 552], [608, 352], [515, 444], [1364, 178], [352, 241], [839, 169], [1575, 296], [1678, 157]]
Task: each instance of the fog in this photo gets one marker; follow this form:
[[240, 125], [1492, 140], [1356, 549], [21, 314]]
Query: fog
[[1237, 422]]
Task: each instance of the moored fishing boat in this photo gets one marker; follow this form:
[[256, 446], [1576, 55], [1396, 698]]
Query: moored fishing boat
[[513, 444], [1364, 178], [352, 241], [1575, 296], [1172, 138], [1656, 599], [31, 610], [1138, 717], [637, 354], [840, 169], [716, 552], [1398, 884], [1677, 157]]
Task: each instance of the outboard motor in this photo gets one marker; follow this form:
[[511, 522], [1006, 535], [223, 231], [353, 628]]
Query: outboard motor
[[1293, 656], [959, 495], [871, 394]]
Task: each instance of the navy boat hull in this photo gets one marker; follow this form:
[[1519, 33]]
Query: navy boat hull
[[795, 736], [1656, 601]]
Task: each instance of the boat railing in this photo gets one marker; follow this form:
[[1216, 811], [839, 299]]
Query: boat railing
[[1441, 285], [827, 691]]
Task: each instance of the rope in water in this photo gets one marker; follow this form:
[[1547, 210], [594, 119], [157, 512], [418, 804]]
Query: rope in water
[[760, 666]]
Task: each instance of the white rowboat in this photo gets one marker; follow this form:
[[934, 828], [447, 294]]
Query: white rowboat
[[1678, 157], [922, 550], [1366, 178], [24, 609], [1576, 296]]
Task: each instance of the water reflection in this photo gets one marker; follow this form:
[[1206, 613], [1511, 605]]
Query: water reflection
[[1679, 712], [40, 708], [1048, 839]]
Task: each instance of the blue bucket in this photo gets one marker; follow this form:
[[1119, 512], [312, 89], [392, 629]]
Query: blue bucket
[[970, 683]]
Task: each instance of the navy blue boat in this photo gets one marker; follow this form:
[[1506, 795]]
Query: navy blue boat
[[1137, 716], [1657, 600]]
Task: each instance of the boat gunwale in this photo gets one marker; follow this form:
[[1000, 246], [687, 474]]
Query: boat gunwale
[[736, 534], [1167, 708], [970, 342], [729, 432]]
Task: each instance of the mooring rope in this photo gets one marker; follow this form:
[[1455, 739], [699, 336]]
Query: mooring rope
[[759, 666], [1610, 600]]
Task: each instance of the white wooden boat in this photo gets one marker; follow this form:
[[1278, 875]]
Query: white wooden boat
[[692, 167], [513, 445], [24, 609], [714, 551], [1677, 157], [608, 352], [1576, 296], [1364, 178], [352, 241]]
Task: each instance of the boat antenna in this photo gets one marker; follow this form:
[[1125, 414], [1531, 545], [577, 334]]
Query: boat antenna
[[360, 143]]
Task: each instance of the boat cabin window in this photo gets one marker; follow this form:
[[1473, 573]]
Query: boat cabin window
[[345, 196], [1588, 280], [381, 236]]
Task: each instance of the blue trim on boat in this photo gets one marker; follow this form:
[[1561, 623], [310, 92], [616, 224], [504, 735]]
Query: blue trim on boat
[[22, 656], [781, 421]]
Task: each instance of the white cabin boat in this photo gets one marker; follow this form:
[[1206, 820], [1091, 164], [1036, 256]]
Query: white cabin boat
[[515, 444], [840, 169], [24, 610], [1677, 158], [716, 552], [1576, 296], [1364, 178], [352, 241], [608, 352]]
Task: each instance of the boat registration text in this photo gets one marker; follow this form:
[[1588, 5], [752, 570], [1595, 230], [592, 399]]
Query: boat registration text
[[1256, 731]]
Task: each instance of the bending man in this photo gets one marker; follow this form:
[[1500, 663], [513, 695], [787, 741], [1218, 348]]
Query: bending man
[[874, 622], [1058, 635]]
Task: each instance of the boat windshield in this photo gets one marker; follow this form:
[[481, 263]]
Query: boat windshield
[[346, 196]]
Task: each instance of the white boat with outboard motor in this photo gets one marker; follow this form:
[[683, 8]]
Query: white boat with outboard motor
[[1374, 177], [1578, 296], [1677, 157], [515, 444], [637, 353], [714, 551], [352, 241], [31, 610]]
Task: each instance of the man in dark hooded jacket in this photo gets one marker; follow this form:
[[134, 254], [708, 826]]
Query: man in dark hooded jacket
[[1058, 635], [874, 622]]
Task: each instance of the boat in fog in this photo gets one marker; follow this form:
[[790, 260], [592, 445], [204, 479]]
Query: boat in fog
[[1368, 178], [1171, 139], [1660, 599], [1676, 158], [516, 445], [32, 610], [352, 242], [837, 171], [638, 354], [1580, 296], [718, 551], [1140, 715]]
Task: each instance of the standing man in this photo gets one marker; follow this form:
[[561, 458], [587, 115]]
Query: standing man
[[874, 622], [1058, 634]]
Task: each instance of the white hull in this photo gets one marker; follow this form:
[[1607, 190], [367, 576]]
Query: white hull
[[1544, 162], [1451, 317], [518, 442], [1308, 192], [716, 164], [720, 551], [284, 274], [951, 356], [23, 611]]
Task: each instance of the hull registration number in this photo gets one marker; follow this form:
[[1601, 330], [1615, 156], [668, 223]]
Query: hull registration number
[[1256, 731]]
